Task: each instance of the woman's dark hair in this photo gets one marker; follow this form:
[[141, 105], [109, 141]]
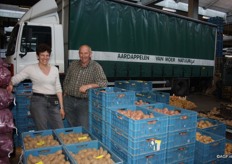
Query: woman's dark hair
[[42, 48]]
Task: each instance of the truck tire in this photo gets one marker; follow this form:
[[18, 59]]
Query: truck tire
[[181, 87]]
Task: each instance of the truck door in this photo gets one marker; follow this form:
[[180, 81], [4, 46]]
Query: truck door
[[31, 37]]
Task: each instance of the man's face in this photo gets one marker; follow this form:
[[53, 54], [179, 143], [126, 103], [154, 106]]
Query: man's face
[[85, 55]]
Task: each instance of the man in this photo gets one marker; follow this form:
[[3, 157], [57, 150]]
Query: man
[[82, 75]]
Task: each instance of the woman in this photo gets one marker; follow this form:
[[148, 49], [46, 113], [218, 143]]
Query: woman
[[47, 91]]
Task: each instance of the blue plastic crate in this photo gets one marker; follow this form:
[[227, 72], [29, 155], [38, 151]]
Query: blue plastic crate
[[45, 152], [25, 128], [180, 153], [75, 148], [72, 130], [153, 158], [40, 133], [226, 158], [24, 86], [96, 107], [185, 161], [149, 144], [23, 112], [23, 102], [139, 128], [143, 101], [24, 121], [112, 96], [162, 97], [98, 122], [207, 152], [218, 127], [134, 85], [186, 119], [108, 111], [66, 123], [97, 133], [23, 92], [212, 161], [182, 137]]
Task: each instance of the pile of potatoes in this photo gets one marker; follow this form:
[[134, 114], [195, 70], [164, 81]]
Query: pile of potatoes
[[136, 114], [228, 149], [39, 141], [181, 102], [203, 138], [204, 124], [54, 158], [141, 102], [167, 111], [71, 138], [92, 156]]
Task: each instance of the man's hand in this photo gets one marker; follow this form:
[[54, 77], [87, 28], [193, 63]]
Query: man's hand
[[84, 88]]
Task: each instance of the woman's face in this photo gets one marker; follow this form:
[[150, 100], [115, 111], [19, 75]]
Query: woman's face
[[44, 57]]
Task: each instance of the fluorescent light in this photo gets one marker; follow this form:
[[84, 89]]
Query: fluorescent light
[[205, 17], [168, 9], [228, 56]]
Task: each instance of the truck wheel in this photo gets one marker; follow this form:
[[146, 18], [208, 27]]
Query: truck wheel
[[181, 87]]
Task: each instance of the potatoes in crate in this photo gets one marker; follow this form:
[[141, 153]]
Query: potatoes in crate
[[74, 137], [54, 158], [228, 148], [202, 124], [39, 141], [141, 102], [203, 138], [167, 111], [92, 155], [136, 114]]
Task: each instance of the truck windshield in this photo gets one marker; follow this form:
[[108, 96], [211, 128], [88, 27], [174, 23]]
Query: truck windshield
[[34, 35], [12, 42]]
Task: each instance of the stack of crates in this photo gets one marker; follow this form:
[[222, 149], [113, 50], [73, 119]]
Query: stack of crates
[[21, 112], [61, 145], [227, 157], [210, 151], [157, 96], [181, 135], [102, 98], [212, 126], [144, 91], [213, 151], [136, 141], [41, 143], [134, 85], [23, 120]]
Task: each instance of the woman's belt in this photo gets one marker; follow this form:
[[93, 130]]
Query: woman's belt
[[43, 95]]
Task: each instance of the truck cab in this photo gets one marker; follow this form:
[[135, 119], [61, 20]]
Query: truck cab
[[39, 25]]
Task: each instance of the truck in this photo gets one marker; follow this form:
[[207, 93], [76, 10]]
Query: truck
[[130, 41]]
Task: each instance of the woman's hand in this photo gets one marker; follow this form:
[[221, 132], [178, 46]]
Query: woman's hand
[[9, 88], [62, 113]]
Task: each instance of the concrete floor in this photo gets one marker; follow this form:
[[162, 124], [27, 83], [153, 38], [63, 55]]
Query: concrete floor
[[206, 102]]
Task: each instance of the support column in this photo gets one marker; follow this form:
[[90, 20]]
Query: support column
[[193, 8]]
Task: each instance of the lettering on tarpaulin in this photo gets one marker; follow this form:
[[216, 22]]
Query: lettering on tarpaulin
[[159, 58], [169, 59], [133, 56], [184, 60]]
